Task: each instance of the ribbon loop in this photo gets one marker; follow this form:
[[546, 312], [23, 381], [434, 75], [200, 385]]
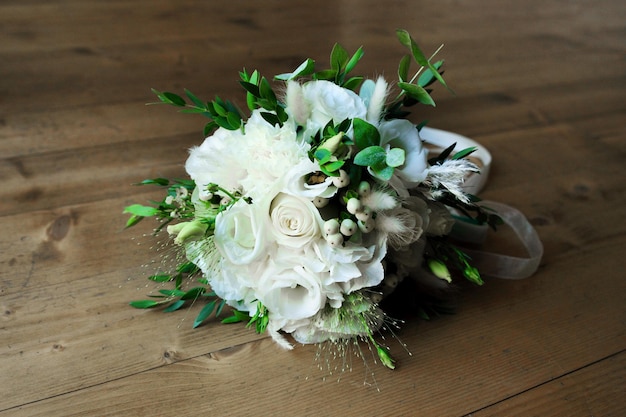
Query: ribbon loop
[[490, 264]]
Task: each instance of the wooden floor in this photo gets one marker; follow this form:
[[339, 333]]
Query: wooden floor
[[540, 83]]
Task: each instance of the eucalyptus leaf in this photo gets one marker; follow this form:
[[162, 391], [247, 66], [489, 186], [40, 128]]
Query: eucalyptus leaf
[[428, 76], [395, 157], [417, 92], [370, 156], [405, 39], [403, 68], [384, 174]]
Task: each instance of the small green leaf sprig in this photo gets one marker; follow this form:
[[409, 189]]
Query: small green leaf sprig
[[177, 297]]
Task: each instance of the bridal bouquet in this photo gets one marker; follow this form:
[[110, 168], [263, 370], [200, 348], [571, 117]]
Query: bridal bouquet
[[304, 215]]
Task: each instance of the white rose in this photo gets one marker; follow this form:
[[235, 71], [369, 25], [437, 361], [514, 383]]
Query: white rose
[[241, 232], [400, 133], [296, 221]]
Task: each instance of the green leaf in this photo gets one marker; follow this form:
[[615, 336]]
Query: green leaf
[[265, 89], [395, 157], [234, 120], [220, 307], [160, 278], [193, 293], [323, 155], [156, 181], [365, 134], [237, 317], [145, 303], [195, 99], [405, 39], [353, 83], [403, 68], [187, 268], [384, 174], [338, 58], [354, 60], [463, 153], [270, 118], [333, 166], [174, 99], [370, 156], [427, 76], [251, 88], [204, 313], [416, 92], [306, 68], [172, 293], [139, 210], [174, 306], [133, 220], [325, 75]]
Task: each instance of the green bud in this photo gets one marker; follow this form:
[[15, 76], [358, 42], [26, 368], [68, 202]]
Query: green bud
[[473, 275], [385, 357], [187, 231], [439, 269]]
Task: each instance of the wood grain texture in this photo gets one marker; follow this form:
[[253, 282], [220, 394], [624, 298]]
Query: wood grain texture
[[541, 84]]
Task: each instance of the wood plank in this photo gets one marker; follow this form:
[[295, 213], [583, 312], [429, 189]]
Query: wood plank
[[595, 390], [511, 336], [541, 84]]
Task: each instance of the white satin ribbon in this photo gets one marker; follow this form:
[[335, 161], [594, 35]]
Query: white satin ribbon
[[489, 263]]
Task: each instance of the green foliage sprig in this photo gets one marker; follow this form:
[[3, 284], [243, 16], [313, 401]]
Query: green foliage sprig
[[176, 298], [222, 113]]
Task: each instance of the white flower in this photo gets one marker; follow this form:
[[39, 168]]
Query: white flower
[[296, 221], [215, 162], [241, 232], [354, 266], [251, 162], [296, 181], [325, 101], [290, 288], [400, 133], [440, 220]]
